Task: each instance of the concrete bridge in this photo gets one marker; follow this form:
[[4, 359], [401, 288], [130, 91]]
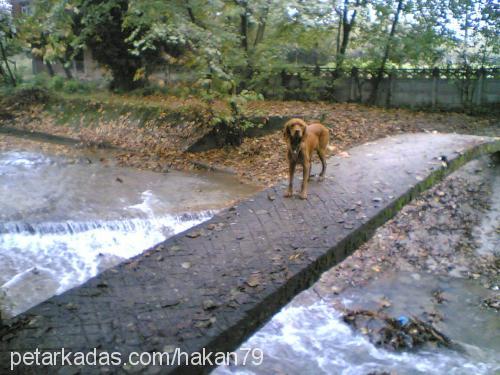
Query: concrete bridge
[[214, 285]]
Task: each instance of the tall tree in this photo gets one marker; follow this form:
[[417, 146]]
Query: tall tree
[[346, 25], [48, 33], [104, 33], [387, 50], [8, 45]]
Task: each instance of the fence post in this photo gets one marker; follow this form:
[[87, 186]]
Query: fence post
[[481, 74], [435, 77]]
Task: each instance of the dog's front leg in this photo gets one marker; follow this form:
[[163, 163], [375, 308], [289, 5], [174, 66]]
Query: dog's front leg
[[291, 172], [305, 179]]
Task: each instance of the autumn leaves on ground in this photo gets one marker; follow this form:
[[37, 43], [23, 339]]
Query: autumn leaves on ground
[[259, 160], [262, 159]]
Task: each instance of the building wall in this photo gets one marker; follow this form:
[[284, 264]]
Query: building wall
[[85, 69]]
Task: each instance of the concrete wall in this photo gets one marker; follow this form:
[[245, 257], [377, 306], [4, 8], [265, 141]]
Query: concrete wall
[[85, 69], [422, 92]]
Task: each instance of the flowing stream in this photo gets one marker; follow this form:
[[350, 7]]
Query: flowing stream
[[64, 220]]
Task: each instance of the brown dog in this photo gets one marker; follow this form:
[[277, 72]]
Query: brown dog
[[302, 140]]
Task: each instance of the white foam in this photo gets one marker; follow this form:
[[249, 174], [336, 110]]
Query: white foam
[[146, 206], [72, 251], [313, 339]]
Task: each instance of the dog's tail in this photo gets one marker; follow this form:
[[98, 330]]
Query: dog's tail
[[330, 148]]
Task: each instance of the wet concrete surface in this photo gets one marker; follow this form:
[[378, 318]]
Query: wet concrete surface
[[214, 285]]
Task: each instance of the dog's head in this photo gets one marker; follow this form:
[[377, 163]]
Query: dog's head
[[294, 130]]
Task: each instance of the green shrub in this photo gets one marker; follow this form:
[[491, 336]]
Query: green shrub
[[56, 83], [72, 86], [40, 80]]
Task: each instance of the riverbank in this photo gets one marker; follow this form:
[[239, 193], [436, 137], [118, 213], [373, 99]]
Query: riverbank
[[451, 229], [156, 133]]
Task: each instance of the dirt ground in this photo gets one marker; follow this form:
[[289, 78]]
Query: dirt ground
[[261, 160]]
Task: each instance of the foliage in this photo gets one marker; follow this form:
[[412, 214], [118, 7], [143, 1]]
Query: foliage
[[227, 46], [8, 44], [48, 33]]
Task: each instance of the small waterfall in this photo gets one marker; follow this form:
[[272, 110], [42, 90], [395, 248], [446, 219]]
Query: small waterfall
[[47, 258], [174, 223], [64, 219]]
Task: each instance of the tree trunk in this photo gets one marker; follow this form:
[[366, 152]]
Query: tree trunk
[[67, 71], [50, 68], [380, 74], [2, 72], [259, 36], [7, 66], [339, 29], [347, 26], [244, 30], [193, 18]]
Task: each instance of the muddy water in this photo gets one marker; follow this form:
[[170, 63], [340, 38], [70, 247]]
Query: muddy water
[[309, 336], [63, 220]]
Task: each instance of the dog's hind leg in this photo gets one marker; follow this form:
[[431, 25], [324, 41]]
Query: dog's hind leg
[[322, 156], [291, 172]]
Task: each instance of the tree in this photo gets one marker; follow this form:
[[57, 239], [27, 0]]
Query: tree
[[102, 30], [8, 45], [387, 50], [477, 39], [346, 25], [49, 33]]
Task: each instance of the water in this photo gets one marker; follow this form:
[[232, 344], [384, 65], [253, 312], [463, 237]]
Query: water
[[64, 220], [308, 336]]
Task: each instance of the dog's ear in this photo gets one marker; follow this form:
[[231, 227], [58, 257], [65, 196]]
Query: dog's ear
[[286, 130], [303, 125]]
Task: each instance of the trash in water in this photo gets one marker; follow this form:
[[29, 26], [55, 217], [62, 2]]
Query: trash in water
[[400, 333], [403, 320]]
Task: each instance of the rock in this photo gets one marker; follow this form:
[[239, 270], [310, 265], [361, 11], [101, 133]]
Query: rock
[[209, 304], [169, 303], [193, 234], [254, 280], [175, 248]]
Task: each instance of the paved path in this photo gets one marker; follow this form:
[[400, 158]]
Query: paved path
[[216, 284]]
